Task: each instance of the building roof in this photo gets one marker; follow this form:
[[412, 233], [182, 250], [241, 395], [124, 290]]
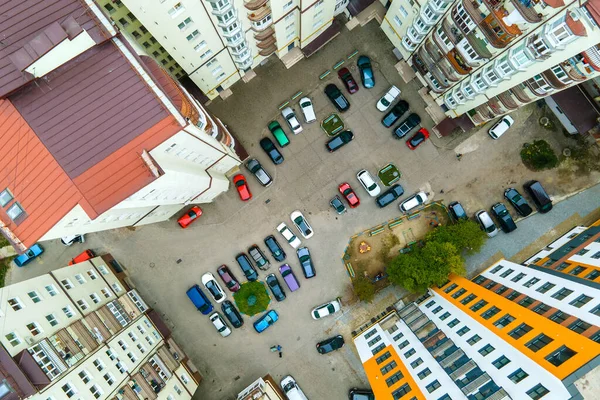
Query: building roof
[[578, 108], [31, 27], [593, 6]]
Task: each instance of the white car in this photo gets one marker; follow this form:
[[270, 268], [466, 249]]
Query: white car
[[69, 240], [288, 235], [308, 110], [388, 98], [302, 224], [326, 309], [292, 120], [413, 202], [291, 389], [367, 181], [501, 127], [211, 284], [220, 324]]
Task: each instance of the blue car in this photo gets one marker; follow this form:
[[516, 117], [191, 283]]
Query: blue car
[[266, 321], [199, 300], [366, 72], [29, 255]]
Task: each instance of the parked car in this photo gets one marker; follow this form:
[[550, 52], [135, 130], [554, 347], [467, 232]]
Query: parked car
[[276, 289], [349, 194], [29, 255], [199, 300], [339, 141], [308, 269], [220, 324], [308, 110], [72, 239], [259, 257], [232, 314], [501, 127], [288, 235], [331, 344], [361, 394], [542, 201], [337, 98], [275, 249], [367, 182], [418, 138], [326, 309], [259, 172], [395, 113], [190, 216], [504, 218], [413, 202], [346, 77], [268, 319], [390, 195], [518, 201], [242, 187], [228, 278], [302, 224], [366, 72], [457, 211], [486, 223], [289, 278], [269, 147], [81, 257], [411, 122], [247, 267], [337, 205], [290, 116], [388, 98], [279, 134], [213, 287], [291, 389]]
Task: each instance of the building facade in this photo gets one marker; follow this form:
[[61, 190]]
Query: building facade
[[104, 137], [264, 388], [513, 332], [83, 332], [486, 58]]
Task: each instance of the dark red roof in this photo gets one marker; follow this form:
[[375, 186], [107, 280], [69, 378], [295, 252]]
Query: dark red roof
[[593, 6], [578, 108]]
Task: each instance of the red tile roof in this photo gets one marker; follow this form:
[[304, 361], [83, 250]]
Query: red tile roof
[[593, 6]]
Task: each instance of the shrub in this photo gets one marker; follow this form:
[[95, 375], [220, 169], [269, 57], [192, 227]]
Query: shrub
[[538, 156], [257, 293], [465, 235], [364, 289]]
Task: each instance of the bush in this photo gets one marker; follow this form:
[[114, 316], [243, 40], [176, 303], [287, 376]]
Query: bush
[[538, 156], [257, 292], [465, 235], [364, 289], [5, 264]]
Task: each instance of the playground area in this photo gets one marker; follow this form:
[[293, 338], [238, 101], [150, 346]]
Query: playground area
[[369, 252]]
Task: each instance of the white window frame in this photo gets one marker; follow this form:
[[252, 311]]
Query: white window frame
[[37, 329], [176, 10], [116, 287], [103, 269], [80, 279], [71, 389], [99, 364], [83, 304], [34, 296], [186, 23], [95, 298], [13, 339], [96, 391], [403, 12], [68, 311], [106, 292], [51, 289], [15, 211], [52, 320], [5, 197], [16, 305], [86, 376], [109, 378], [92, 274], [67, 284]]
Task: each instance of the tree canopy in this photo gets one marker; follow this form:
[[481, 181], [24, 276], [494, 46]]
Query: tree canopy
[[364, 289], [465, 235]]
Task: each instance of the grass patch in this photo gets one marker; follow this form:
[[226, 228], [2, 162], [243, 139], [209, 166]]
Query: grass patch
[[3, 242], [538, 156], [5, 264], [252, 298]]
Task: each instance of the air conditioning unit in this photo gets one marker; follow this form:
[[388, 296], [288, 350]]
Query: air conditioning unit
[[29, 340]]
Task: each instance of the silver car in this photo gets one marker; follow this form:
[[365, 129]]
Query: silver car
[[259, 172], [292, 120], [486, 223]]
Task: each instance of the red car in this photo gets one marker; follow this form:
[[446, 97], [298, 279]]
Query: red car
[[418, 138], [348, 80], [190, 216], [242, 187], [349, 195], [86, 255], [230, 282]]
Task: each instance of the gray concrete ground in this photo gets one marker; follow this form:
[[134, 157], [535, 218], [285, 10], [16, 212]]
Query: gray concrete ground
[[306, 180]]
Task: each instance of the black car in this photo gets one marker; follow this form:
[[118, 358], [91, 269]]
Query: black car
[[275, 287], [306, 262], [337, 98], [259, 257], [542, 201], [457, 211], [389, 195], [232, 314], [339, 141], [395, 113], [361, 394], [503, 216], [518, 201], [331, 344], [275, 248], [246, 266], [411, 122], [269, 147], [337, 205]]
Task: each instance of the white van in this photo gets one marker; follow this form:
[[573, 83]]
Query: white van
[[291, 389], [501, 127]]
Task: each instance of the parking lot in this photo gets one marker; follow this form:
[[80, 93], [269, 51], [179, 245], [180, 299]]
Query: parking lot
[[164, 260]]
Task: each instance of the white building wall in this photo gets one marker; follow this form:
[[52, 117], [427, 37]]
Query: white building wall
[[556, 244]]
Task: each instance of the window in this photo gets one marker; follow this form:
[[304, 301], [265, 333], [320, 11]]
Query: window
[[403, 344], [581, 301], [428, 305], [394, 378], [121, 367], [437, 309], [34, 328], [68, 311], [474, 339], [501, 362], [538, 391], [370, 342], [5, 197], [99, 364], [51, 289], [397, 20], [67, 284], [51, 319], [539, 342], [403, 12], [85, 377], [545, 287], [416, 363], [103, 269], [185, 379], [596, 310], [116, 287], [287, 5], [13, 339], [132, 336], [501, 289], [111, 355], [177, 389], [184, 25], [141, 348], [34, 296], [579, 326], [105, 292], [518, 277], [444, 315], [593, 275], [15, 303], [577, 270], [507, 273], [82, 304], [541, 308], [388, 367], [136, 34], [132, 357], [383, 357], [433, 386], [562, 293], [563, 265], [505, 320], [92, 274], [519, 331], [95, 298], [122, 344], [401, 391], [479, 305], [378, 349], [450, 288], [149, 340], [453, 323], [490, 313], [487, 349], [513, 295], [459, 293], [561, 355], [559, 317], [596, 255], [526, 302], [80, 279], [109, 379], [193, 35], [468, 299], [176, 10], [96, 391], [531, 282], [518, 376], [423, 374], [496, 269], [68, 388], [463, 330]]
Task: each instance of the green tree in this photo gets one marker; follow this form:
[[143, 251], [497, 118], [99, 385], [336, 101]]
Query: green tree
[[538, 155], [466, 235], [363, 288]]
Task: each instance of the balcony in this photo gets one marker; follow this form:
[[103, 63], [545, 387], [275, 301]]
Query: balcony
[[463, 369], [463, 19], [264, 34], [406, 311], [268, 51], [259, 14], [454, 353], [571, 67], [442, 346], [458, 63], [507, 100], [223, 9], [592, 57], [478, 382], [496, 31], [479, 45], [520, 94], [496, 107], [452, 32], [527, 11], [539, 86], [244, 64], [254, 5], [271, 40], [485, 111], [441, 61], [433, 68], [420, 65], [557, 78], [476, 14], [142, 387]]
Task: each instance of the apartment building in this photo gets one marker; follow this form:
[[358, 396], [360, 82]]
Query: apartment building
[[264, 388], [95, 136], [512, 332], [486, 58], [218, 42], [83, 332]]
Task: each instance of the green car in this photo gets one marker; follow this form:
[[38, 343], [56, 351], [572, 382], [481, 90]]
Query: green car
[[279, 134]]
